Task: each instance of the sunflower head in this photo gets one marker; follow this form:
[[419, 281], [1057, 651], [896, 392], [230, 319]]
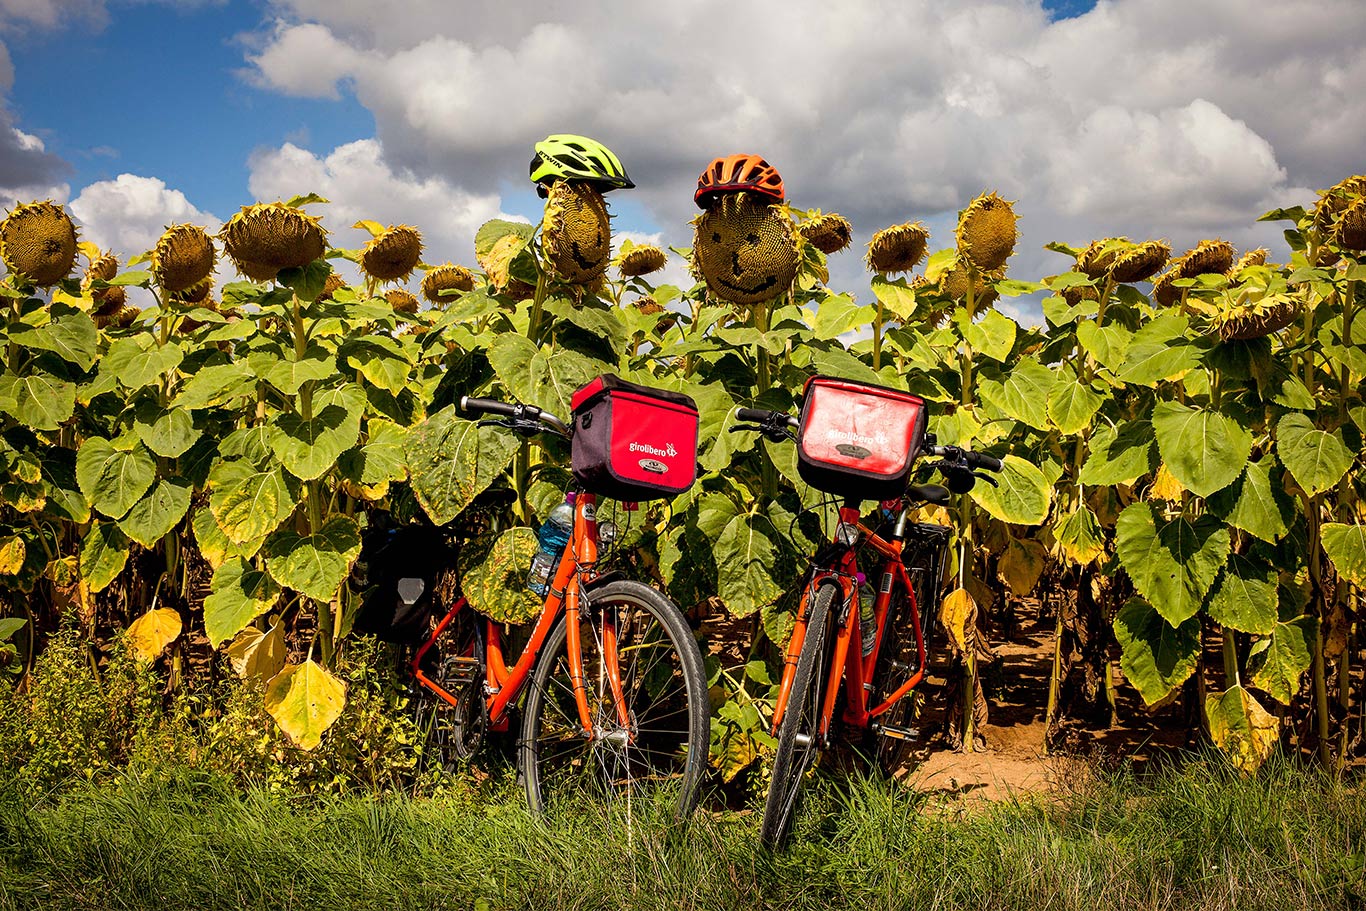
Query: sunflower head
[[1255, 257], [331, 285], [447, 277], [899, 248], [1140, 262], [1350, 231], [641, 259], [1252, 319], [38, 242], [391, 255], [576, 231], [264, 238], [986, 232], [1099, 256], [828, 233], [745, 248], [1334, 201], [401, 301], [107, 300], [1209, 256], [956, 280], [183, 258]]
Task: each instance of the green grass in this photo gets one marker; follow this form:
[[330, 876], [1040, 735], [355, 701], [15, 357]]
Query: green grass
[[1196, 836]]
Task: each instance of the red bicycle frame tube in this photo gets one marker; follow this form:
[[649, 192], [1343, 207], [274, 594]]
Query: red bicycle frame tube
[[503, 683]]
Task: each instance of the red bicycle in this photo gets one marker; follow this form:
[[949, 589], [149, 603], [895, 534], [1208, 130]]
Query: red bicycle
[[861, 442]]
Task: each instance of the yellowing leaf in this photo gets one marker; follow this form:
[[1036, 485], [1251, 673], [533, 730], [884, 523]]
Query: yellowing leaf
[[1165, 486], [958, 613], [256, 654], [305, 699], [374, 227], [12, 552], [153, 631], [1021, 565], [1240, 727]]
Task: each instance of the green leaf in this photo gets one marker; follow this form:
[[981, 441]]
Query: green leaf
[[746, 556], [837, 314], [1024, 394], [1245, 598], [288, 373], [217, 384], [10, 625], [64, 497], [214, 545], [112, 477], [1288, 654], [451, 461], [238, 595], [249, 502], [1079, 535], [309, 447], [896, 296], [1204, 450], [168, 431], [1160, 351], [992, 336], [153, 517], [138, 361], [546, 379], [378, 462], [1156, 657], [496, 585], [494, 230], [1255, 505], [381, 367], [1120, 455], [1109, 345], [70, 334], [1172, 564], [1023, 496], [39, 400], [103, 555], [1346, 547], [1072, 404], [307, 282], [1317, 460], [315, 564], [305, 699]]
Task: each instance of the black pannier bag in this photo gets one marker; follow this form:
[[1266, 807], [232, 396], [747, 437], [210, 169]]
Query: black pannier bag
[[858, 439], [633, 442], [399, 571]]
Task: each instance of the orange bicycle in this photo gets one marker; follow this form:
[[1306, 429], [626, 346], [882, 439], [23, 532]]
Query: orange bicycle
[[615, 692], [858, 441]]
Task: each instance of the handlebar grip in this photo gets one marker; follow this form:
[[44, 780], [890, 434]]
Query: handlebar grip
[[978, 460], [471, 405], [754, 415]]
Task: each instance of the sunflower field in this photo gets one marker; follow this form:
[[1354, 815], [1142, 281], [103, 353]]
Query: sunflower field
[[1183, 444]]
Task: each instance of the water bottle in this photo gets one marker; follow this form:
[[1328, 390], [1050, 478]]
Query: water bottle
[[867, 618], [552, 536]]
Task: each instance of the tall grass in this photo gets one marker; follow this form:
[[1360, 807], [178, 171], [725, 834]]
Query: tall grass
[[1196, 836]]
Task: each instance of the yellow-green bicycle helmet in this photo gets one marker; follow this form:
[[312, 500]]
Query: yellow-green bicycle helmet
[[565, 156]]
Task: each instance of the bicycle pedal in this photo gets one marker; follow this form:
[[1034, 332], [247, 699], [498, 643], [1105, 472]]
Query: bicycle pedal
[[895, 733]]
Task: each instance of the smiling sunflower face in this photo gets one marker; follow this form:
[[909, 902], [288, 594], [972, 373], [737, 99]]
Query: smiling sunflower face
[[745, 249], [577, 232]]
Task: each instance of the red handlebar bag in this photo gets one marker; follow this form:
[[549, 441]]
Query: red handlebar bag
[[857, 439], [633, 442]]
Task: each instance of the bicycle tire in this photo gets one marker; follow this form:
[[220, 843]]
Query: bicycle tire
[[797, 734], [452, 736], [664, 682], [925, 569]]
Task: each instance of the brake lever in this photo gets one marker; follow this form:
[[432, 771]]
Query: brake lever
[[986, 477]]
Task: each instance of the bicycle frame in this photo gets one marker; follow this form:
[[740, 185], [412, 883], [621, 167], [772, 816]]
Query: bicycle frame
[[503, 684], [857, 674]]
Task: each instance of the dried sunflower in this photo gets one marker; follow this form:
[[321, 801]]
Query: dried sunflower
[[1095, 261], [1140, 262], [1207, 257], [1256, 319], [331, 285], [641, 259], [744, 248], [401, 300], [828, 233], [1255, 257], [183, 258], [38, 242], [986, 232], [264, 238], [392, 255], [899, 248], [1334, 200], [108, 301], [1350, 231], [447, 277], [576, 231]]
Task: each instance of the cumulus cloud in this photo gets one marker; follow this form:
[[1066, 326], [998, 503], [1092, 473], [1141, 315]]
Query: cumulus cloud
[[128, 214], [1153, 118]]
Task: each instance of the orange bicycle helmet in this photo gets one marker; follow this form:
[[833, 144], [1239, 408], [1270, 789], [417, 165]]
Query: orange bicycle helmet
[[738, 172]]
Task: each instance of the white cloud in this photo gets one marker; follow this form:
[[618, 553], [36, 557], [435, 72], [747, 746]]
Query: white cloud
[[128, 214]]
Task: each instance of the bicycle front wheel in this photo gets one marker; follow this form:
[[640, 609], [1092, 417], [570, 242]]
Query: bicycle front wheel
[[798, 734], [665, 690]]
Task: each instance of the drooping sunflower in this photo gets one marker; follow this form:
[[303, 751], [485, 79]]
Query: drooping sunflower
[[899, 248], [1333, 201], [183, 258], [401, 300], [1140, 262], [1255, 257], [331, 285], [392, 255], [108, 301], [38, 242], [576, 231], [745, 248], [1350, 231], [641, 259], [264, 238], [446, 277], [1206, 257], [986, 232], [828, 233]]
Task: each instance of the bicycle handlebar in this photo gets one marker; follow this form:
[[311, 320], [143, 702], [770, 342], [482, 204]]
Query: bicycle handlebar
[[762, 416], [516, 412]]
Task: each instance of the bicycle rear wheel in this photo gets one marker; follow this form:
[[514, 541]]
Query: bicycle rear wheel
[[798, 741], [665, 689]]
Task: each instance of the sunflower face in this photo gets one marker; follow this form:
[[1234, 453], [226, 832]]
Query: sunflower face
[[183, 258], [955, 283], [1350, 232], [38, 241], [392, 256], [986, 232], [642, 259], [401, 301], [899, 248], [108, 301], [262, 239], [448, 277], [1140, 262], [745, 249], [1095, 261], [1209, 256], [828, 233], [577, 232]]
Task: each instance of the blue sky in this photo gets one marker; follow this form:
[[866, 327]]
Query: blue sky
[[1146, 118]]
